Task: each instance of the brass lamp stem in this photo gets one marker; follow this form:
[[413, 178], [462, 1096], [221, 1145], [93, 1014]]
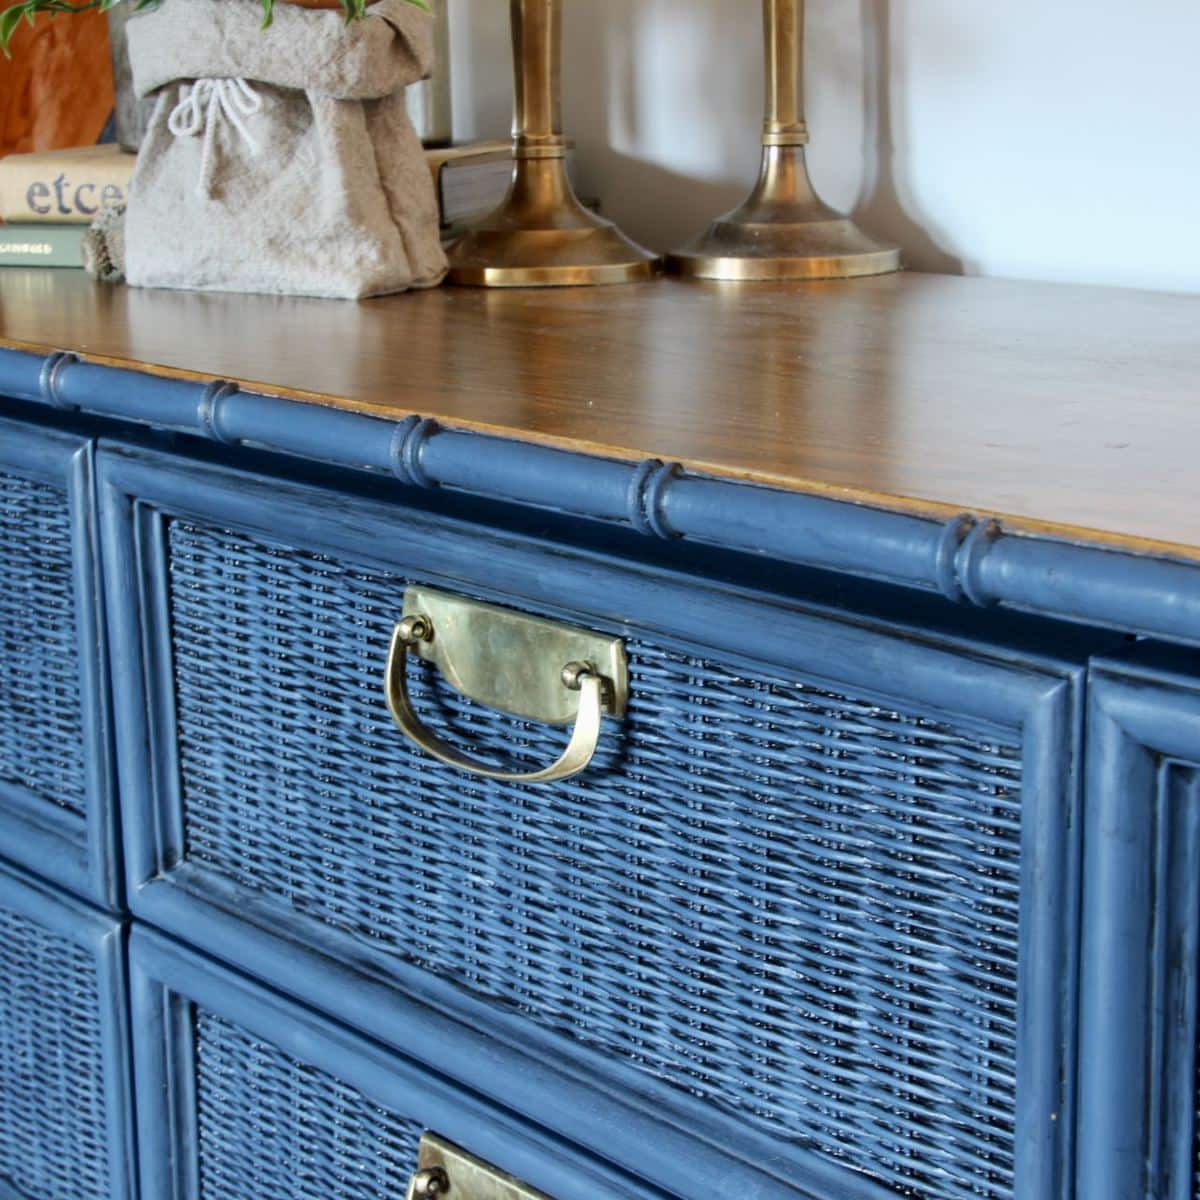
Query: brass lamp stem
[[537, 79], [541, 236], [783, 231], [783, 32]]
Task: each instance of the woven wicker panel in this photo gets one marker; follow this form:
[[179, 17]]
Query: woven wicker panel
[[52, 1122], [798, 905], [272, 1128], [41, 734]]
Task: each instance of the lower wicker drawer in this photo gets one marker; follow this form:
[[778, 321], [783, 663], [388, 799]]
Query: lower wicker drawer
[[65, 1112], [243, 1095]]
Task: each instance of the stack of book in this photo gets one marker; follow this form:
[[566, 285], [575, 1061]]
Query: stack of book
[[470, 181], [47, 200]]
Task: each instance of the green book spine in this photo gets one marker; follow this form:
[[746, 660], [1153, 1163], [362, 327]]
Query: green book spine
[[35, 245]]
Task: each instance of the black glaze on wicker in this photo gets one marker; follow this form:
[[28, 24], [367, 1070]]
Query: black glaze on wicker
[[273, 1128], [819, 935], [41, 726], [53, 1134]]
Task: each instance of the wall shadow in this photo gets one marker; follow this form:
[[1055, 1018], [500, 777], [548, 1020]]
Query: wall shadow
[[616, 53], [660, 208], [885, 206], [663, 100]]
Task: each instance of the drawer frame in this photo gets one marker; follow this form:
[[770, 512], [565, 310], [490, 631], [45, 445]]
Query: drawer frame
[[167, 978], [686, 1146], [81, 854], [104, 938], [1139, 1099]]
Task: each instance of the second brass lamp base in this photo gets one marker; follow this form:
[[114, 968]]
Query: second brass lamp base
[[783, 231]]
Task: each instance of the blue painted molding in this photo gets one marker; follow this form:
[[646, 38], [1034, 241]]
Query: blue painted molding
[[970, 558], [79, 851], [1141, 928], [102, 938]]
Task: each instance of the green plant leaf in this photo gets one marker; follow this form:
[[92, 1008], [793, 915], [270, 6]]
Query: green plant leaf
[[10, 19], [28, 10]]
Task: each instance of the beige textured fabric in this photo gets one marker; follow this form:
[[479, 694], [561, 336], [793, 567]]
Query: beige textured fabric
[[104, 245], [281, 160]]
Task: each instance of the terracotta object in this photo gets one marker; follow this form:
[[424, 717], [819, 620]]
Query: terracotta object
[[57, 88]]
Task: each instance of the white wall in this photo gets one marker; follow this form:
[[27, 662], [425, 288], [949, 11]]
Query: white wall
[[1035, 139]]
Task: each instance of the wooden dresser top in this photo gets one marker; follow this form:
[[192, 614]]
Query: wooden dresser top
[[1069, 411]]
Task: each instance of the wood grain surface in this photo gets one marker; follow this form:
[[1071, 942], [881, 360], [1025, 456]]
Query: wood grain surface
[[1063, 410], [57, 88]]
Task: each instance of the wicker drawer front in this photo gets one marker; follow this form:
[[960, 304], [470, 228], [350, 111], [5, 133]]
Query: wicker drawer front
[[781, 896], [788, 911], [243, 1095], [41, 726], [65, 1120], [55, 810]]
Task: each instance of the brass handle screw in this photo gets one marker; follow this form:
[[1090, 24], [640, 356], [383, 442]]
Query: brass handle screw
[[429, 1183], [415, 629]]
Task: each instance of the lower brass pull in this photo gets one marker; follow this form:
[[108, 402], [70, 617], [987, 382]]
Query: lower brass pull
[[576, 676], [429, 1183], [447, 1172]]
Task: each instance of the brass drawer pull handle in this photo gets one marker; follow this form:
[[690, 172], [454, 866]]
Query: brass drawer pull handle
[[584, 738], [522, 665]]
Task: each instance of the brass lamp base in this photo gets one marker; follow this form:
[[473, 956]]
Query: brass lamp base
[[541, 236], [783, 231], [487, 257]]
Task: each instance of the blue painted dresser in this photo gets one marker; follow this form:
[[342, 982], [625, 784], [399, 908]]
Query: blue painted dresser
[[885, 884]]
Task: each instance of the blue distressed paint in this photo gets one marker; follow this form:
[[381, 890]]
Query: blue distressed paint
[[168, 980], [1141, 913], [48, 379], [1050, 852], [748, 626], [21, 375], [1107, 841], [72, 840], [991, 567], [78, 974], [1126, 591], [550, 1080]]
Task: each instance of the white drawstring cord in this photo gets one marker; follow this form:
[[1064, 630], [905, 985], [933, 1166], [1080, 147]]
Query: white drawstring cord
[[202, 105]]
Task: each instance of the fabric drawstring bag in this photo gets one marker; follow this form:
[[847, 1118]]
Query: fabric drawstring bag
[[281, 160]]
